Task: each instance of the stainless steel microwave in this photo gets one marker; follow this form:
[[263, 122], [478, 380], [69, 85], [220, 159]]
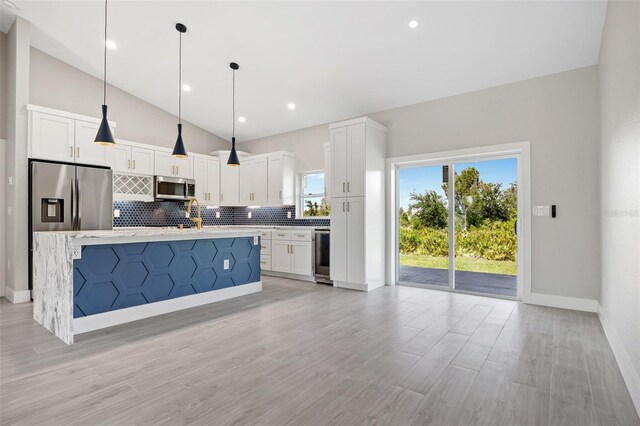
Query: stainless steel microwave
[[170, 188]]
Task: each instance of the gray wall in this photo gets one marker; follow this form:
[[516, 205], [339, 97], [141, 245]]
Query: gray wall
[[620, 136], [557, 113], [56, 84], [3, 86]]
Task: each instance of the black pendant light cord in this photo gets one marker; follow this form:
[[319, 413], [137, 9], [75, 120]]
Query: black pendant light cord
[[233, 106], [104, 78], [180, 83]]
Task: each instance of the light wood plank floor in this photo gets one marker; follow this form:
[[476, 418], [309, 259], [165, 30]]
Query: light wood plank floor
[[307, 354]]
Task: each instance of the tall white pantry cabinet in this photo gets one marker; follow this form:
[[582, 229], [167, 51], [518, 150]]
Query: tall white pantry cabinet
[[357, 188]]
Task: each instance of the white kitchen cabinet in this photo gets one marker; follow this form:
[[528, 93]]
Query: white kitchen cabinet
[[167, 165], [327, 170], [281, 181], [59, 136], [126, 158], [88, 152], [301, 258], [253, 181], [52, 137], [291, 252], [357, 168], [229, 184], [206, 171]]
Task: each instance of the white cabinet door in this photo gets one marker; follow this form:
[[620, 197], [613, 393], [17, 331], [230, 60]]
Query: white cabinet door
[[200, 176], [213, 182], [229, 191], [327, 170], [88, 152], [301, 257], [274, 195], [184, 167], [260, 182], [52, 137], [356, 160], [119, 158], [338, 239], [142, 160], [355, 240], [338, 177], [246, 182], [280, 256], [163, 164]]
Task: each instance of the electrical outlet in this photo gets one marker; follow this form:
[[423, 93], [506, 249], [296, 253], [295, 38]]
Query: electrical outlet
[[186, 215], [10, 180], [288, 215], [76, 253], [226, 264], [255, 241], [249, 215], [116, 212], [9, 211], [217, 215]]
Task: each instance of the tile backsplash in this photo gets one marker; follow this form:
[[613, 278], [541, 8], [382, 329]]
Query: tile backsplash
[[172, 213]]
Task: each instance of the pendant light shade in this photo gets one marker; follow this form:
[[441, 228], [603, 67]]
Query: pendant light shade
[[178, 150], [233, 160], [104, 136]]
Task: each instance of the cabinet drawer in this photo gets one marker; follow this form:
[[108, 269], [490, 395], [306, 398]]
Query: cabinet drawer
[[265, 262], [265, 235], [301, 235], [265, 247], [280, 234]]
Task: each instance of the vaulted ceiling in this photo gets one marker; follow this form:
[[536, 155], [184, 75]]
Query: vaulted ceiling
[[334, 60]]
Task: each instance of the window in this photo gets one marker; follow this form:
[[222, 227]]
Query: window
[[312, 201]]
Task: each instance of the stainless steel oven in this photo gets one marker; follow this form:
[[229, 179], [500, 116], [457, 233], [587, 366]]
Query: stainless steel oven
[[322, 251], [170, 188]]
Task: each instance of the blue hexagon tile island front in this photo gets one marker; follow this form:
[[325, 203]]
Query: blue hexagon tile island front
[[111, 277]]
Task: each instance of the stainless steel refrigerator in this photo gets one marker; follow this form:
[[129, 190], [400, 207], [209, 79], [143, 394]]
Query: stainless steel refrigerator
[[68, 197]]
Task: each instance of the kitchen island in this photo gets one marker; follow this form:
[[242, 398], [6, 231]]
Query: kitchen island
[[87, 280]]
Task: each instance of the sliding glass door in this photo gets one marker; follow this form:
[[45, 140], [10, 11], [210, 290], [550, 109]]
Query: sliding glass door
[[457, 226]]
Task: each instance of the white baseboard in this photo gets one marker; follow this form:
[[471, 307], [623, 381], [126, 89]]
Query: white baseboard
[[308, 278], [134, 313], [629, 373], [351, 286], [573, 303], [17, 296]]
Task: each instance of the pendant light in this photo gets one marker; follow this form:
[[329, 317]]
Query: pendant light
[[233, 155], [104, 136], [178, 149]]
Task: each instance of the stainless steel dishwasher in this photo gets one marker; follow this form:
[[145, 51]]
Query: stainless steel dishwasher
[[321, 255]]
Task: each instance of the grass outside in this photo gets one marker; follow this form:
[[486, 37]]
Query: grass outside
[[463, 263]]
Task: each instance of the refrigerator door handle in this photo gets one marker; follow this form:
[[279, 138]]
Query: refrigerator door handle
[[79, 206], [73, 204]]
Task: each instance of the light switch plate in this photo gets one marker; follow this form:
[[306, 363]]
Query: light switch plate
[[288, 215], [217, 215], [249, 215], [541, 210], [226, 264], [116, 212], [77, 253]]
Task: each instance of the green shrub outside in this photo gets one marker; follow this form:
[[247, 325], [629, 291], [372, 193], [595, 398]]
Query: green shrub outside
[[492, 240]]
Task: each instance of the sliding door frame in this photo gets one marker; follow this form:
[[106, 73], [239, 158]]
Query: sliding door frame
[[518, 150]]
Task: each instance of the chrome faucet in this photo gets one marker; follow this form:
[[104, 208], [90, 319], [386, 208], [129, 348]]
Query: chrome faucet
[[197, 220]]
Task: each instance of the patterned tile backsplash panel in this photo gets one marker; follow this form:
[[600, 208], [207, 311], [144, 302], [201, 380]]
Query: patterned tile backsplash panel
[[172, 213]]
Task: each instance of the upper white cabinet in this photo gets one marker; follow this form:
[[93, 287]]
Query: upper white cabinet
[[229, 181], [206, 173], [348, 160], [127, 157], [357, 168], [253, 182], [281, 182], [166, 165], [327, 169], [58, 137]]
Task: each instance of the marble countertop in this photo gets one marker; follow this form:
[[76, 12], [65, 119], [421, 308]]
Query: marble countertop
[[135, 235]]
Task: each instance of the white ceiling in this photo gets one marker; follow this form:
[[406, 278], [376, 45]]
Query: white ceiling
[[333, 59]]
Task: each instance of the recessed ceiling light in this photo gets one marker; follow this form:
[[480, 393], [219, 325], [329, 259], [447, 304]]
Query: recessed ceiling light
[[242, 119], [291, 105], [413, 24], [186, 87], [111, 44]]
